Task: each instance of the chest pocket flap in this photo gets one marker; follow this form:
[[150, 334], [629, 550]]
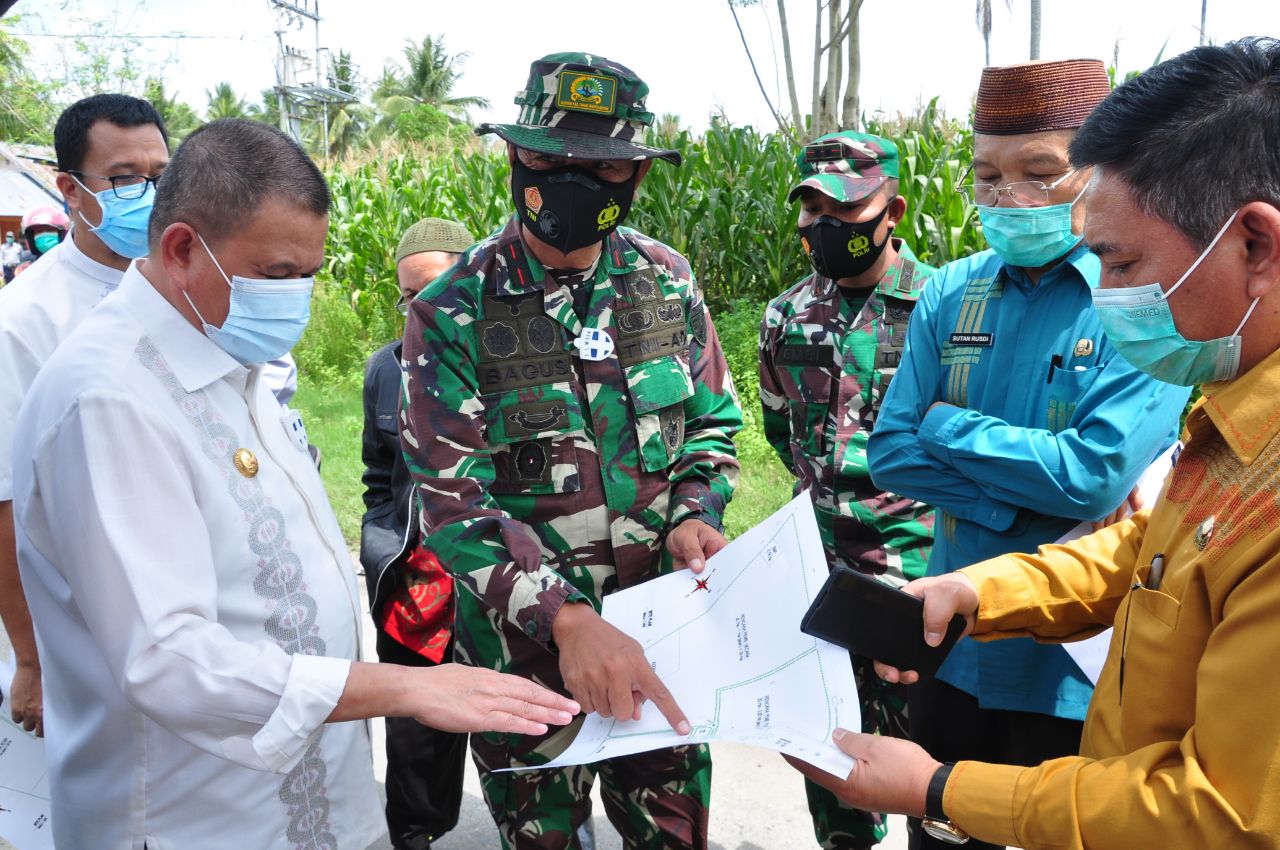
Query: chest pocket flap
[[530, 435], [658, 389]]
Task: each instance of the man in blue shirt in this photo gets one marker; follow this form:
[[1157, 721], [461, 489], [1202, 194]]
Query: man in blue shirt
[[1013, 414]]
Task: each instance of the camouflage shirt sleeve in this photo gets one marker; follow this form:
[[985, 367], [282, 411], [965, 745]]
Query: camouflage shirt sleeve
[[706, 468], [773, 403], [442, 433]]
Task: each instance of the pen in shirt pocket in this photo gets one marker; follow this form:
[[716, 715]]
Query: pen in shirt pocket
[[1156, 573], [1054, 363]]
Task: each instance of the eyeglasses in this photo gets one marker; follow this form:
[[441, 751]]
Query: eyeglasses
[[1027, 193], [126, 187], [402, 305]]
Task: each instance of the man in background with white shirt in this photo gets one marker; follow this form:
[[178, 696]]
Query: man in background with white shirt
[[194, 599], [108, 145], [10, 255]]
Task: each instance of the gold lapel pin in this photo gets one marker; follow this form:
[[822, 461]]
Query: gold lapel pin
[[1084, 348], [246, 463]]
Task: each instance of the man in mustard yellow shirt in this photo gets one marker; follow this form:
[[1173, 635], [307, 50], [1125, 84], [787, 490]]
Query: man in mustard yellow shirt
[[1181, 745]]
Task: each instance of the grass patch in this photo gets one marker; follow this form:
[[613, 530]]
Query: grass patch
[[763, 487], [333, 411]]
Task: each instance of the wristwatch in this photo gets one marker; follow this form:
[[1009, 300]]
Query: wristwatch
[[935, 823]]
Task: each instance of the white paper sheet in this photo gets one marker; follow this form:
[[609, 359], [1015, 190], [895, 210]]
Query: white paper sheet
[[24, 780], [728, 645], [1091, 653]]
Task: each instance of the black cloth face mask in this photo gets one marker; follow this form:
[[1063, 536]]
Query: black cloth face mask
[[568, 208], [839, 249]]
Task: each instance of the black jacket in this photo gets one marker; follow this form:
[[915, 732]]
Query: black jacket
[[389, 530]]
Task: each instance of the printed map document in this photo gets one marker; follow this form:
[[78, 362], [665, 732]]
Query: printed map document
[[24, 782], [728, 645], [1091, 653]]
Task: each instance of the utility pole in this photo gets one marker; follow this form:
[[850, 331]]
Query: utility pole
[[304, 78]]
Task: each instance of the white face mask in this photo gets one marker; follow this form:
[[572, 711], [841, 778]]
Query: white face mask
[[266, 318]]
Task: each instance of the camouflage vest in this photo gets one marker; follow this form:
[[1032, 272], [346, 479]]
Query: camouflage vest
[[522, 348]]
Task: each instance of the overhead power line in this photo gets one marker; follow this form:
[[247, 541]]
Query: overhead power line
[[171, 37]]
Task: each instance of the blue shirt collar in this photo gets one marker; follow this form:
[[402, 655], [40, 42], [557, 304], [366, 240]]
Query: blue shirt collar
[[1080, 265]]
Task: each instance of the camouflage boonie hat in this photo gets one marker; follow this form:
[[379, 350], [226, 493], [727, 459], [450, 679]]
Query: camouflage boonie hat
[[846, 166], [582, 106]]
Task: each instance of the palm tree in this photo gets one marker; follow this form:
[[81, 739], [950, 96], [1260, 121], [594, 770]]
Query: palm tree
[[982, 15], [427, 77], [225, 103], [1035, 29], [179, 118], [349, 121]]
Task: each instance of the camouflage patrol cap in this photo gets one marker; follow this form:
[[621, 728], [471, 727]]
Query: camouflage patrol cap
[[584, 107], [434, 234], [846, 166]]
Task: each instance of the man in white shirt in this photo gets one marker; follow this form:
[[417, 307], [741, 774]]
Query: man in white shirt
[[10, 255], [105, 144], [193, 597]]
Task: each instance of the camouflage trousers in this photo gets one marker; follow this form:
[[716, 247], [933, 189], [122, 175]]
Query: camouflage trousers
[[656, 800], [884, 712]]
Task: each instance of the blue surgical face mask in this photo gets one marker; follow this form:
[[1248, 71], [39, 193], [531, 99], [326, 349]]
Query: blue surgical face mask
[[123, 228], [1140, 325], [266, 317], [1029, 236]]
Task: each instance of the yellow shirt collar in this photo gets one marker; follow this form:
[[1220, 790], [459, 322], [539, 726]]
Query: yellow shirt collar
[[1245, 410]]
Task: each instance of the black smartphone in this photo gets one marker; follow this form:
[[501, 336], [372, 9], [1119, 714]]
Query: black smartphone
[[877, 621]]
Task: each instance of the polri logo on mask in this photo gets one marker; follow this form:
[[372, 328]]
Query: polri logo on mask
[[566, 207], [608, 218], [841, 249]]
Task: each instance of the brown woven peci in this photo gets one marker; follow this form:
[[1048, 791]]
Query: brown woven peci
[[1033, 97]]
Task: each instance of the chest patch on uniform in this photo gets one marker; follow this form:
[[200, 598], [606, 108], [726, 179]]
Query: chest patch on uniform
[[536, 417], [698, 320], [980, 339], [542, 334], [798, 354], [499, 340], [672, 421], [496, 377], [533, 462], [642, 285], [636, 321], [651, 330], [520, 346]]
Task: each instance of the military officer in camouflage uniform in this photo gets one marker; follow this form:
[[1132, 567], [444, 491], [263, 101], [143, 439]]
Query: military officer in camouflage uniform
[[829, 346], [569, 419]]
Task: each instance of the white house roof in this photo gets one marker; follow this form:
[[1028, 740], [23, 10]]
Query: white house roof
[[25, 181]]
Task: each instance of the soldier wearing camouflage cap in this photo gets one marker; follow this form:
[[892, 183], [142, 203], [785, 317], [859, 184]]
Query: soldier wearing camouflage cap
[[829, 346], [569, 421]]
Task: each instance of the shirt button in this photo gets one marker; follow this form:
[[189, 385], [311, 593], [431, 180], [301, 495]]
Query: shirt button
[[531, 628]]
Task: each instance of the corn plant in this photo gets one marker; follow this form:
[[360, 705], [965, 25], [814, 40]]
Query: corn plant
[[725, 208]]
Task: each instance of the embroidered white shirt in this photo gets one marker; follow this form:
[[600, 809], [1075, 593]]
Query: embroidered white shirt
[[196, 624], [37, 311]]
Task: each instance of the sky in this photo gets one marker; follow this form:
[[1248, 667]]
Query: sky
[[688, 51]]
